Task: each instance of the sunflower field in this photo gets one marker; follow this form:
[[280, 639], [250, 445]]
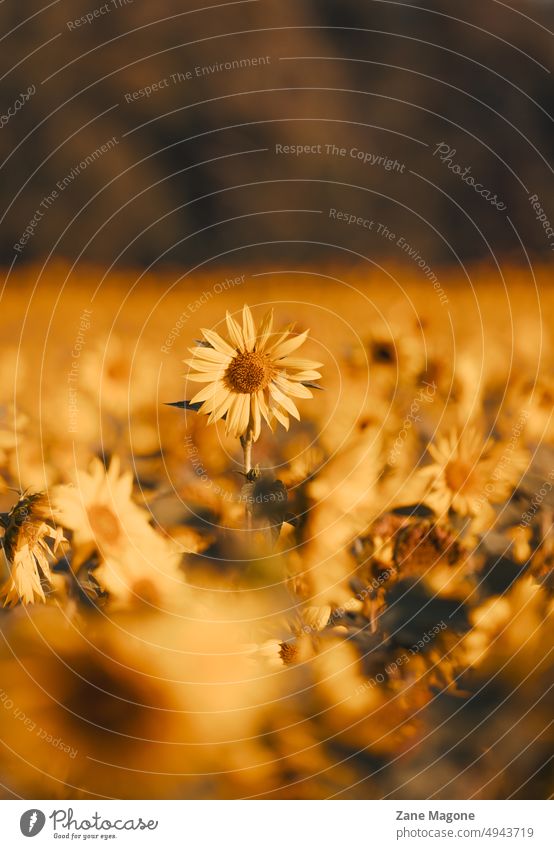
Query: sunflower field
[[276, 534]]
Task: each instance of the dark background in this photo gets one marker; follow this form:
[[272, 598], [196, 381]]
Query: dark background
[[397, 80]]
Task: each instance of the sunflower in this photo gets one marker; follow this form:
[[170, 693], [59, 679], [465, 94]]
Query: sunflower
[[294, 640], [116, 376], [27, 528], [470, 473], [251, 376], [136, 561]]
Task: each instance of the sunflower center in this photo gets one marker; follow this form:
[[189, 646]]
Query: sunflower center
[[288, 653], [383, 352], [118, 370], [248, 372], [458, 476], [104, 524]]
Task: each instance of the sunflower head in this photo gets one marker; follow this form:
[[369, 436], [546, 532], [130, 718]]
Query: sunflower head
[[27, 528], [250, 375], [471, 472]]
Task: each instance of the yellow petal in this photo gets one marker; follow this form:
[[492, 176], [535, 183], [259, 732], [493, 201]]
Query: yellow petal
[[284, 401], [202, 365], [218, 343], [215, 402], [210, 354], [256, 417], [206, 393], [298, 362], [303, 375], [264, 332], [244, 416], [294, 389], [222, 408], [278, 338], [205, 377], [235, 332], [238, 414], [263, 406], [281, 417], [290, 345], [316, 618], [248, 328]]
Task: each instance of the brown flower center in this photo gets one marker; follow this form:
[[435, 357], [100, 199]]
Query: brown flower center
[[288, 653], [146, 591], [118, 370], [24, 524], [248, 372], [104, 524], [458, 476], [383, 352]]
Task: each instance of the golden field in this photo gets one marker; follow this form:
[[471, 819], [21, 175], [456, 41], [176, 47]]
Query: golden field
[[368, 615]]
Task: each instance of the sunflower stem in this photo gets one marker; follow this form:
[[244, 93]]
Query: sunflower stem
[[246, 442], [372, 616]]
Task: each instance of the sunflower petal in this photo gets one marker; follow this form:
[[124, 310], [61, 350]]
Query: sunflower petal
[[281, 417], [290, 345], [303, 375], [279, 337], [210, 354], [285, 402], [235, 332], [203, 365], [218, 343], [264, 332], [294, 389], [237, 420], [255, 414], [263, 407], [299, 362], [205, 377], [248, 328], [207, 392], [244, 417], [215, 401], [222, 409]]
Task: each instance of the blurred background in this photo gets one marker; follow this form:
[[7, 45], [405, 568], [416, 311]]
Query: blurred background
[[192, 171]]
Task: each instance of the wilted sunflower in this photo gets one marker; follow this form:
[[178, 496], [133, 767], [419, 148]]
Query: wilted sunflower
[[252, 375], [27, 528]]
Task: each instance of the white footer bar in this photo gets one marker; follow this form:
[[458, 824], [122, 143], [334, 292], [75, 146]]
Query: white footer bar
[[279, 824]]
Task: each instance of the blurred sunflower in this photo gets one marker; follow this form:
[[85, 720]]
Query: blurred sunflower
[[100, 511], [295, 638], [511, 627], [251, 376], [136, 560], [536, 396], [117, 376], [469, 474], [27, 528]]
